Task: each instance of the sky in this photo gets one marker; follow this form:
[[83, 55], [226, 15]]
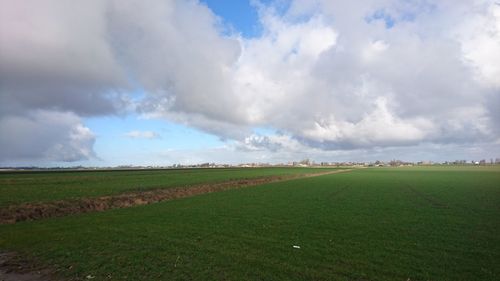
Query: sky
[[187, 81]]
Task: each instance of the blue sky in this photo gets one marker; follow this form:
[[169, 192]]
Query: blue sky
[[114, 147], [240, 15], [224, 81]]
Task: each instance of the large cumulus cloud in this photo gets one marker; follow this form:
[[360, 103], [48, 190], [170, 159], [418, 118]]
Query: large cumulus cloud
[[56, 57], [343, 75], [69, 62], [329, 75], [396, 74]]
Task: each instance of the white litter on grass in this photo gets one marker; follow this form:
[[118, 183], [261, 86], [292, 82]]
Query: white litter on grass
[[296, 247], [90, 277]]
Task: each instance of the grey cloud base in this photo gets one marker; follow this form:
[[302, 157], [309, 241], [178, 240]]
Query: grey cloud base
[[45, 135]]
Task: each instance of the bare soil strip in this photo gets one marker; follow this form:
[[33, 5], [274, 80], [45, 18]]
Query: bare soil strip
[[36, 211]]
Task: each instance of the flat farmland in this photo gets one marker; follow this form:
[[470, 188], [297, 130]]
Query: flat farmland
[[421, 223], [42, 186]]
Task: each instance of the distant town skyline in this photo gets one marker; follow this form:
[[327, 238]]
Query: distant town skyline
[[185, 82]]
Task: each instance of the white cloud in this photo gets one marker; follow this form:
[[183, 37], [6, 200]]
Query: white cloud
[[370, 86], [378, 128], [142, 135], [480, 38]]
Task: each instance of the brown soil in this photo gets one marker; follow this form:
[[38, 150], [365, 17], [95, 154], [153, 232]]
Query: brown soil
[[15, 268], [36, 211]]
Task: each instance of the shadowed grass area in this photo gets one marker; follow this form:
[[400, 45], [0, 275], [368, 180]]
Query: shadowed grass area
[[370, 224], [23, 187]]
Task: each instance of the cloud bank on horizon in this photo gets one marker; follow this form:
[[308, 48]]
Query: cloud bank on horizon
[[327, 75]]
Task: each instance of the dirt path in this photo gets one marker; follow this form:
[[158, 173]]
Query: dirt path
[[36, 211]]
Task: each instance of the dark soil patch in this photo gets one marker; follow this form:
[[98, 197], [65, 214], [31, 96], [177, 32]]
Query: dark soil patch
[[14, 268], [36, 211]]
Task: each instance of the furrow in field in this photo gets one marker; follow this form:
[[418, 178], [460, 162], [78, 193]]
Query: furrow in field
[[36, 211]]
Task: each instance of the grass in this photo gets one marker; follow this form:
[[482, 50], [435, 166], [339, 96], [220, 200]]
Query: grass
[[370, 224], [23, 187]]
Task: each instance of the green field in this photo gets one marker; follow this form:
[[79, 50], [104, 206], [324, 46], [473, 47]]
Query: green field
[[422, 223], [23, 187]]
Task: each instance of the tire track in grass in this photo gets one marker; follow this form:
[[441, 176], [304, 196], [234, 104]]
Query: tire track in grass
[[36, 211], [428, 199], [335, 194]]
